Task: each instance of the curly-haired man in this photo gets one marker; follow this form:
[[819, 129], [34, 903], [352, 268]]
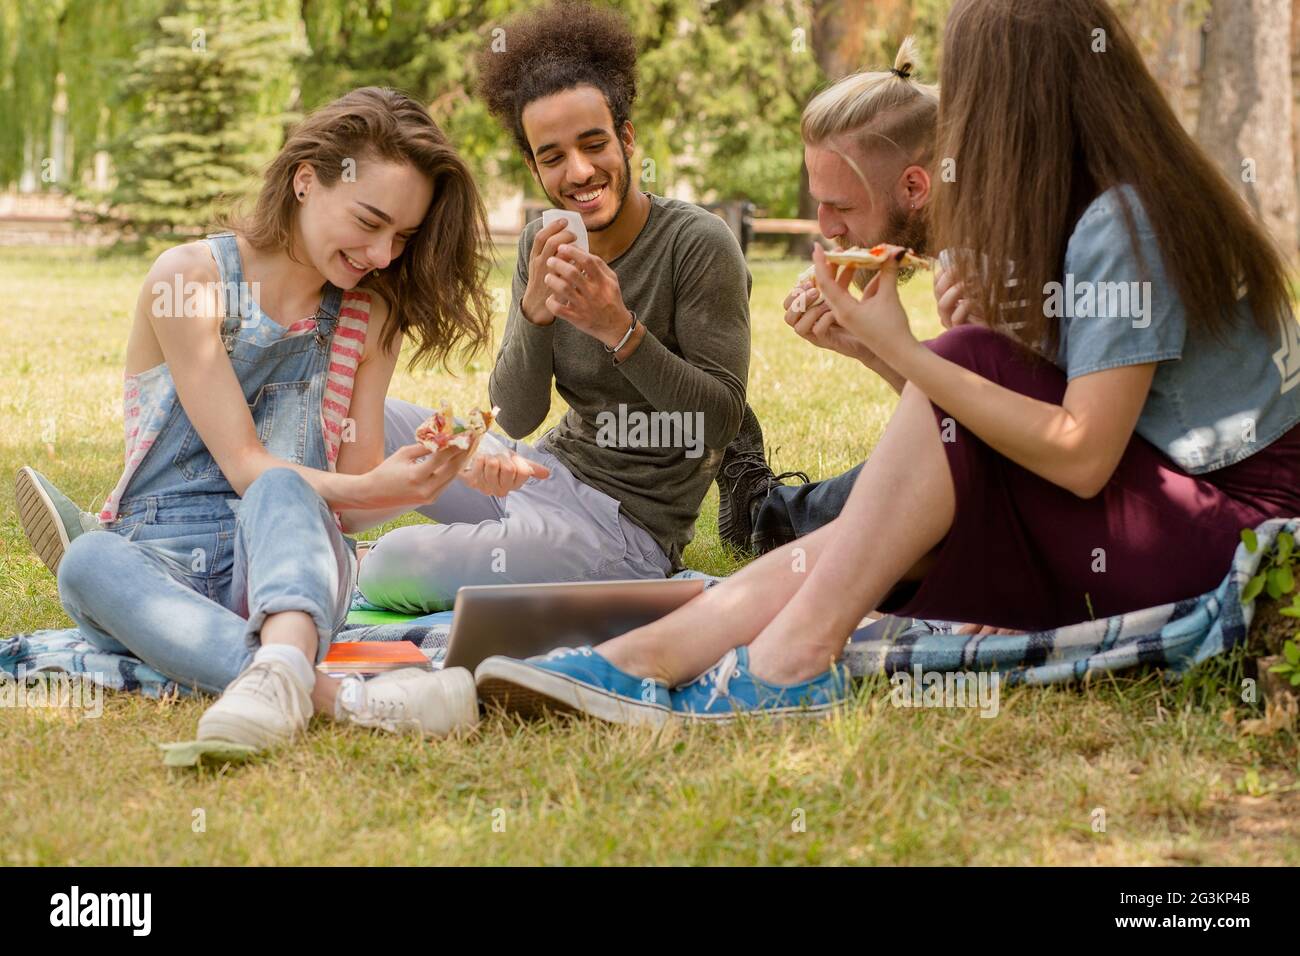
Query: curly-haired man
[[645, 336]]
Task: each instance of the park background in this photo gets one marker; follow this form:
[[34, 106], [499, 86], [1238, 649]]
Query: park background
[[123, 130], [147, 114]]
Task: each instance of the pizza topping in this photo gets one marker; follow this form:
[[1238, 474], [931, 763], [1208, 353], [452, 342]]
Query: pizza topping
[[441, 429], [858, 258]]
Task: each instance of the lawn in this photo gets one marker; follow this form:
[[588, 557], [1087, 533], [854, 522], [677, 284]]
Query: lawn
[[1129, 771]]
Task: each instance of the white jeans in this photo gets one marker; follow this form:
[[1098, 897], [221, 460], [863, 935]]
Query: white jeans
[[551, 529]]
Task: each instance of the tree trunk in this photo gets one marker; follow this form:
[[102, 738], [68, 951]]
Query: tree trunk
[[1295, 121], [800, 247], [1247, 107], [841, 31], [1166, 35]]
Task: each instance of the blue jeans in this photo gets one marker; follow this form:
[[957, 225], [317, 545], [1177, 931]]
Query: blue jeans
[[793, 511], [185, 584]]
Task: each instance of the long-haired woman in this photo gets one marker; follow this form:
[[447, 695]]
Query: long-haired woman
[[256, 371]]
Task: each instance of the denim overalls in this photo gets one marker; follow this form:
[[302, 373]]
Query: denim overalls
[[189, 571]]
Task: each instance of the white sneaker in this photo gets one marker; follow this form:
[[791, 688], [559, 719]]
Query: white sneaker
[[411, 700], [262, 707]]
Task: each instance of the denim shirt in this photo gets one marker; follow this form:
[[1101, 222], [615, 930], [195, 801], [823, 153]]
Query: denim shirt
[[1211, 404]]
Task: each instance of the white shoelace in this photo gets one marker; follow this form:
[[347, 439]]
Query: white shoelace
[[364, 709], [560, 652], [720, 675]]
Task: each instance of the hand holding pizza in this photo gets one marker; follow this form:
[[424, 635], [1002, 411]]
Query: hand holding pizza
[[411, 476], [807, 312], [878, 319], [497, 472]]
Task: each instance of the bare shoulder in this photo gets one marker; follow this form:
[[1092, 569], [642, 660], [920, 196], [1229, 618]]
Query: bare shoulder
[[183, 281], [189, 262]]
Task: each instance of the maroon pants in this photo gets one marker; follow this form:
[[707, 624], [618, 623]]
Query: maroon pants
[[1025, 553]]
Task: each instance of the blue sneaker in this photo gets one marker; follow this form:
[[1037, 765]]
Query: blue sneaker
[[728, 689], [572, 680]]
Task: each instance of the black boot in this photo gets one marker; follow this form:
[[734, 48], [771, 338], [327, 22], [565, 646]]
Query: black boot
[[744, 480]]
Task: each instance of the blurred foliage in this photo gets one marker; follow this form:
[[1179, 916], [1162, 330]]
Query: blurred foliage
[[208, 88], [722, 82]]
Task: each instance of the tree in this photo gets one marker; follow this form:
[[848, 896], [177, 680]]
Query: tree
[[1168, 39], [65, 51], [723, 87], [207, 93], [1247, 106]]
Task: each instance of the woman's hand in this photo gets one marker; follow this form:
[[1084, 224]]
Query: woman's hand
[[878, 319], [413, 476], [950, 296], [808, 314], [498, 475]]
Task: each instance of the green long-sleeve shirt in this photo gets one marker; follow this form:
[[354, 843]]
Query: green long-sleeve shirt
[[650, 431]]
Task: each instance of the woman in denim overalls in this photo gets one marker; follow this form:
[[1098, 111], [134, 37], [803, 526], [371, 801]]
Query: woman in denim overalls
[[254, 442]]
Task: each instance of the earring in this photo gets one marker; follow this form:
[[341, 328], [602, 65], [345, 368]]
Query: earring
[[302, 195]]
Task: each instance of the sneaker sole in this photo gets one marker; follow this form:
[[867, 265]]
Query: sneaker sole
[[40, 520], [532, 693], [234, 729]]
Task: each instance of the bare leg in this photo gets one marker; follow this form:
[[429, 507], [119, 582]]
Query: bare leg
[[690, 640], [324, 694], [899, 510], [901, 507]]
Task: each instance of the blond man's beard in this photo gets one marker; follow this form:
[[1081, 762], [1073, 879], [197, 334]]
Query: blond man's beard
[[903, 227]]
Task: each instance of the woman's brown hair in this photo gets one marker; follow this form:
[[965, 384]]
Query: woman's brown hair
[[437, 288], [1046, 105]]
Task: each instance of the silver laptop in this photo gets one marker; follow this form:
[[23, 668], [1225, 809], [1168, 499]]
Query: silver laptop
[[522, 620]]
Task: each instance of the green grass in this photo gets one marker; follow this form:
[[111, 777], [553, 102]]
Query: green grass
[[1177, 782]]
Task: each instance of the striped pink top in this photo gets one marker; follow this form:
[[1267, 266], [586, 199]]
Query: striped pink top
[[148, 396]]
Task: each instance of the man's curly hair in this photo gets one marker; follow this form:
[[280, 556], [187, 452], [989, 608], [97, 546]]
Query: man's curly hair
[[555, 48]]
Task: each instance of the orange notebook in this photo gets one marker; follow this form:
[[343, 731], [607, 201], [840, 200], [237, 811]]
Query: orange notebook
[[372, 657]]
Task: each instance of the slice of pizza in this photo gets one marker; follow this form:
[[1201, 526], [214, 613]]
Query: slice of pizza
[[858, 258], [441, 429], [875, 257]]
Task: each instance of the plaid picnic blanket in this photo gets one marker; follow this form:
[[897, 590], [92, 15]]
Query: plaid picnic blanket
[[1174, 637]]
